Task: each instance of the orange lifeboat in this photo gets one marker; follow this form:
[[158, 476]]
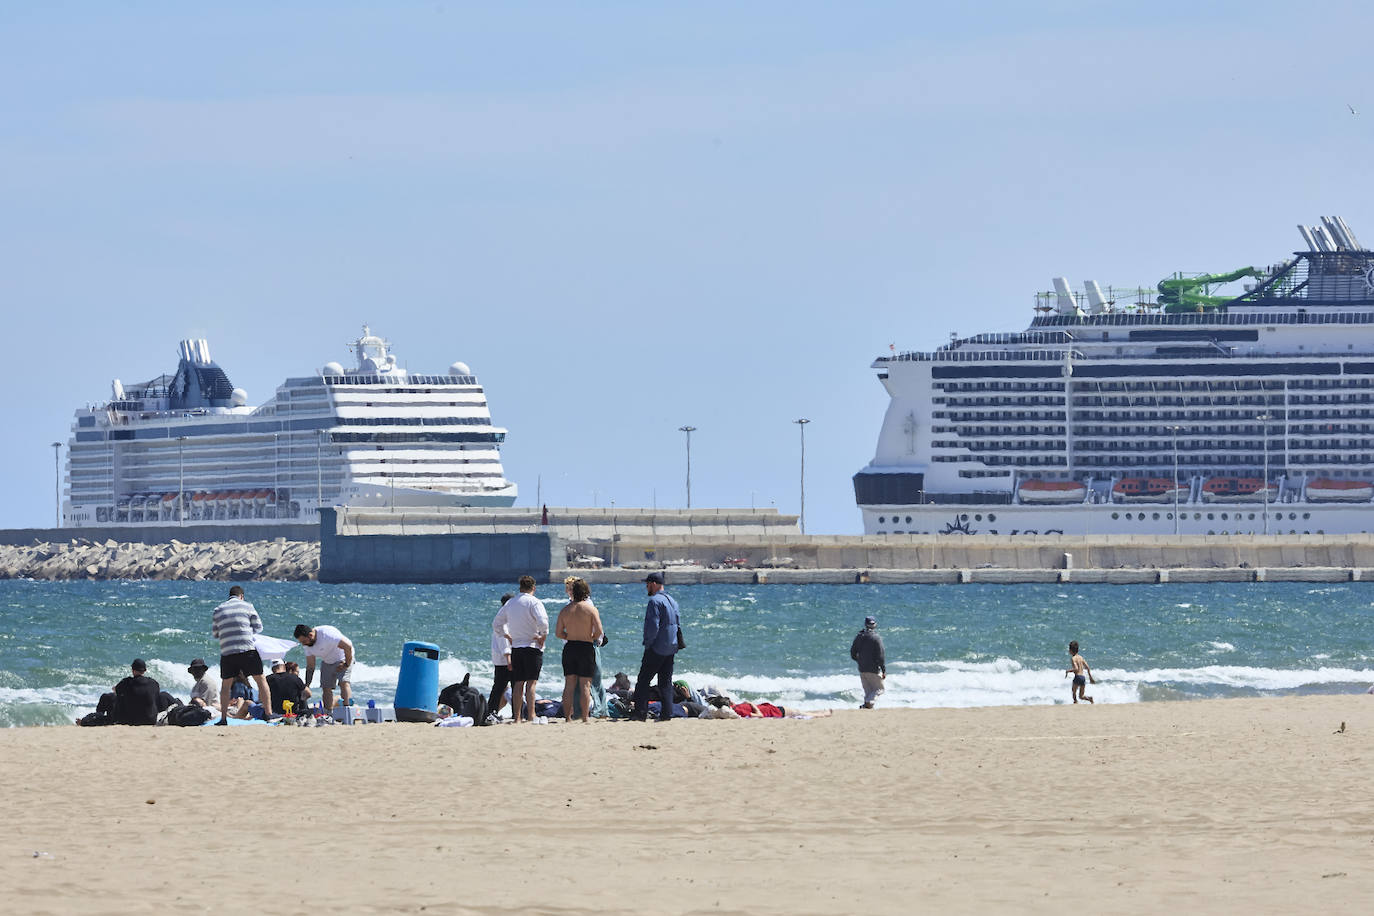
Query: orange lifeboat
[[1326, 490]]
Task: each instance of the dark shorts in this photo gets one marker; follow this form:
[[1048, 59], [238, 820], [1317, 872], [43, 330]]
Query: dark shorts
[[579, 659], [1079, 680], [525, 663], [246, 663]]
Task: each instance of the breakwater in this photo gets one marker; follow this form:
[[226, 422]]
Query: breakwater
[[277, 560]]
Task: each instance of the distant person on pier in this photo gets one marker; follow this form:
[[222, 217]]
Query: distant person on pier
[[661, 641], [1078, 667], [234, 624], [579, 624], [867, 650], [500, 665], [335, 652], [136, 697], [526, 623]]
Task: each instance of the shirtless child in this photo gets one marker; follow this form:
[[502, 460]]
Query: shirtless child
[[1081, 674], [580, 624]]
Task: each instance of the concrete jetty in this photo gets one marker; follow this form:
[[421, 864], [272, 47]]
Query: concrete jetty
[[279, 560]]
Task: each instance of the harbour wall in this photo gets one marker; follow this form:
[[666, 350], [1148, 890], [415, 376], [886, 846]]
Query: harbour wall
[[160, 534]]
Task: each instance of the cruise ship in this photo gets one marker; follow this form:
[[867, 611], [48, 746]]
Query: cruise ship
[[187, 448], [1199, 407]]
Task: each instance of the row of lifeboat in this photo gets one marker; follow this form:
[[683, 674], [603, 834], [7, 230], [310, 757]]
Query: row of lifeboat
[[202, 504], [1214, 490]]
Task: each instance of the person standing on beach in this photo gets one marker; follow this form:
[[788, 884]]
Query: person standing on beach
[[335, 652], [1081, 673], [579, 624], [500, 665], [136, 697], [234, 624], [867, 650], [526, 624], [660, 650]]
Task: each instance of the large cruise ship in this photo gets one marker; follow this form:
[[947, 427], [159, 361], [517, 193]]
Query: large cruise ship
[[1187, 410], [187, 448]]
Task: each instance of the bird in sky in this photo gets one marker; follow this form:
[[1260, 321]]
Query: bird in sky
[[1352, 108]]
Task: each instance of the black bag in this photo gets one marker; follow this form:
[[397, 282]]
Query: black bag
[[188, 715], [681, 640], [465, 700]]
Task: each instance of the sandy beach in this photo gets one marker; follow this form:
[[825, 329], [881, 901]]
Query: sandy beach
[[1258, 805]]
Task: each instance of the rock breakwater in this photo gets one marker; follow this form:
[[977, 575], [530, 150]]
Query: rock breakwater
[[279, 559]]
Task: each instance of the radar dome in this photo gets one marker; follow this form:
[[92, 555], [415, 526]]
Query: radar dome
[[332, 369], [238, 397], [459, 369]]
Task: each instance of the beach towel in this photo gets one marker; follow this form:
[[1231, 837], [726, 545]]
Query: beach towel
[[272, 648]]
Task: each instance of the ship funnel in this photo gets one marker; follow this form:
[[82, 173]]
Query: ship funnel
[[1354, 242], [117, 389], [1307, 237], [1097, 303], [1335, 232], [1068, 305]]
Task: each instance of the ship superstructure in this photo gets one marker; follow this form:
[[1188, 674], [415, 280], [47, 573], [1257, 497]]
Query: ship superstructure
[[187, 448], [1191, 411]]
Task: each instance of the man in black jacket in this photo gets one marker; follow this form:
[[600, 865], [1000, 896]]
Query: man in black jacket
[[286, 687], [136, 697], [867, 650]]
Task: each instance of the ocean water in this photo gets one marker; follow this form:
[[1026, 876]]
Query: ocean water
[[64, 643]]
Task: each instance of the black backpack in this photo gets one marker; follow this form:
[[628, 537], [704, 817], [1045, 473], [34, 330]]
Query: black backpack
[[465, 700], [188, 715]]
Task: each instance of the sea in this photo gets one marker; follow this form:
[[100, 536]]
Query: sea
[[62, 644]]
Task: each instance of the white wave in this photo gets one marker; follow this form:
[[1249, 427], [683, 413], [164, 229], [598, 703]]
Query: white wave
[[1221, 647], [1183, 605], [168, 631]]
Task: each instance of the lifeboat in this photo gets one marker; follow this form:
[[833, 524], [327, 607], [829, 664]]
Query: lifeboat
[[1147, 490], [1326, 490], [1048, 492], [1236, 490]]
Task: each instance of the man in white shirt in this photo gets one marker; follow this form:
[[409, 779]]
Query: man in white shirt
[[525, 623], [335, 652], [205, 689]]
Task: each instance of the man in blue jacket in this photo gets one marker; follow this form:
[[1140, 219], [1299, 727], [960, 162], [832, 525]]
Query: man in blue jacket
[[660, 647]]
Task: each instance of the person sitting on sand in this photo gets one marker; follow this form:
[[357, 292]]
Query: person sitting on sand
[[621, 687], [286, 688], [241, 699], [206, 688], [293, 668], [136, 697], [1081, 673]]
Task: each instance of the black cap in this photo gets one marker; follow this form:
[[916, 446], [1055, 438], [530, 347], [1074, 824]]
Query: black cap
[[654, 577], [870, 623], [139, 665], [198, 664]]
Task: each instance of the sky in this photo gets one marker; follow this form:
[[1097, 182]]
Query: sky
[[627, 218]]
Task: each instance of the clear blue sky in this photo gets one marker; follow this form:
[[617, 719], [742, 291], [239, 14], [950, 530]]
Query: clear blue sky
[[630, 217]]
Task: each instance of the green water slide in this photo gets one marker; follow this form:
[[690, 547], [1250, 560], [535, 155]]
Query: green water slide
[[1191, 294]]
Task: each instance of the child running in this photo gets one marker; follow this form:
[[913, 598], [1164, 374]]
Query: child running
[[1081, 674]]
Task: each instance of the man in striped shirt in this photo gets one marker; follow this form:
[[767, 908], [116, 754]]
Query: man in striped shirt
[[235, 622]]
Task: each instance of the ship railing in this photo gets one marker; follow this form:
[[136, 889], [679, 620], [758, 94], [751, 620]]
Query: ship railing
[[978, 356]]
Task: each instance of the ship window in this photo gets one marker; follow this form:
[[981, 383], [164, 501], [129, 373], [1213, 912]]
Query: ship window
[[908, 520], [882, 520]]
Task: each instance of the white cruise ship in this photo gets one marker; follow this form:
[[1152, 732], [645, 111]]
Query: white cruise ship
[[1188, 410], [187, 449]]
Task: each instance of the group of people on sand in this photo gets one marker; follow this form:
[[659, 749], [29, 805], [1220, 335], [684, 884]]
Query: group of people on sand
[[139, 700]]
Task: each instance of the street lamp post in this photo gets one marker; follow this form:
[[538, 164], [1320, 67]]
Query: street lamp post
[[801, 427], [56, 485], [1175, 430], [181, 482], [688, 430], [1264, 419], [319, 472]]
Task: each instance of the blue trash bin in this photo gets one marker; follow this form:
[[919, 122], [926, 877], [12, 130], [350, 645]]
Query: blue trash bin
[[417, 687]]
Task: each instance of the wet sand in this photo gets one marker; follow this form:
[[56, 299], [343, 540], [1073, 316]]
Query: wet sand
[[1221, 806]]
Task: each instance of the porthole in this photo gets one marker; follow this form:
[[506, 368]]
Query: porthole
[[1252, 516], [1140, 517], [1224, 516], [1115, 516], [1210, 517], [1197, 516], [978, 518], [1154, 516], [964, 517], [1306, 516], [882, 520], [908, 520], [1292, 516], [992, 518]]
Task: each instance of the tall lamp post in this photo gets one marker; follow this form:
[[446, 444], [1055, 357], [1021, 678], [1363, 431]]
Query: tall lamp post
[[1175, 431], [688, 430], [181, 481], [801, 427], [1264, 418], [56, 485]]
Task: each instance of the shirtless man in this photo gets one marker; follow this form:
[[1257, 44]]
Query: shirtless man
[[580, 624], [1081, 674]]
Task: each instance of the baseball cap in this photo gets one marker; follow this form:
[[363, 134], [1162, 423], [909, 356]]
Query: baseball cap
[[654, 577], [870, 623], [139, 665], [278, 663]]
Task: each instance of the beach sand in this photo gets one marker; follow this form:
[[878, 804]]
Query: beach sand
[[1253, 805]]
